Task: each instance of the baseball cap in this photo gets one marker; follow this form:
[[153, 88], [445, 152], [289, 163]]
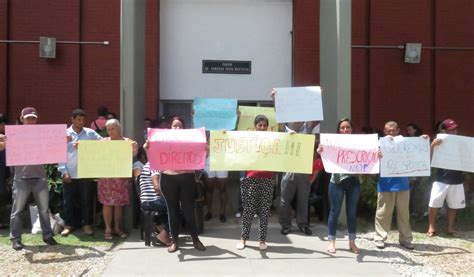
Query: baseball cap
[[29, 112], [449, 124]]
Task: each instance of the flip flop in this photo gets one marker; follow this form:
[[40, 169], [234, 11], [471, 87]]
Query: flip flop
[[108, 236], [354, 250], [332, 250], [121, 234], [431, 234]]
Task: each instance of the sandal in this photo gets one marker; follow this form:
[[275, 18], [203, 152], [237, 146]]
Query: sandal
[[354, 250], [121, 234], [431, 234], [331, 250], [108, 236]]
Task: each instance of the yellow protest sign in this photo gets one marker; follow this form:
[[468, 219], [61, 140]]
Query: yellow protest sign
[[248, 114], [253, 150], [104, 159]]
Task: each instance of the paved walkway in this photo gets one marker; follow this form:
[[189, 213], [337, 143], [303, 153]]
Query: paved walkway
[[295, 254]]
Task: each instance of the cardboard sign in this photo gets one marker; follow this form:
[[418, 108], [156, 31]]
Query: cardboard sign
[[36, 144], [248, 114], [270, 151], [404, 156], [183, 149], [456, 153], [356, 154], [215, 113], [104, 159], [298, 104]]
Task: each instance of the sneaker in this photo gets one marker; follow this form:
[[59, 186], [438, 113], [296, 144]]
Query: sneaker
[[262, 245], [67, 230], [407, 244], [238, 214], [87, 229], [240, 246], [285, 231], [17, 245], [208, 217], [380, 244], [306, 230], [50, 241], [222, 218], [255, 216]]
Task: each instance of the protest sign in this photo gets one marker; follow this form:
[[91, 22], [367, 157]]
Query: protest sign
[[104, 159], [271, 151], [182, 149], [215, 113], [405, 156], [298, 104], [344, 153], [455, 152], [248, 114], [36, 144]]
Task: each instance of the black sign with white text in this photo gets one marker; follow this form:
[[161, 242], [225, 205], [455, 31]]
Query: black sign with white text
[[226, 67]]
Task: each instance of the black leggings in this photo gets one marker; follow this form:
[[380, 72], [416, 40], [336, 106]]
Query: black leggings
[[178, 189]]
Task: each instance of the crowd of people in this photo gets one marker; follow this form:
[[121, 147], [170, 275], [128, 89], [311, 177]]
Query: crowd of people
[[172, 193]]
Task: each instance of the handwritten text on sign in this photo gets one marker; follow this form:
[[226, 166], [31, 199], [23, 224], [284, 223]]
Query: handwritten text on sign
[[271, 151], [404, 156], [350, 153], [456, 153], [248, 114], [104, 159], [36, 144], [183, 149], [298, 104], [215, 113]]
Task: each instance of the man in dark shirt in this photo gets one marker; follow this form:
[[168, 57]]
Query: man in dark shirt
[[448, 185], [29, 179]]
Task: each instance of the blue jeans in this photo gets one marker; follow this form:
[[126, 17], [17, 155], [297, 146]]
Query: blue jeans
[[351, 188], [158, 205]]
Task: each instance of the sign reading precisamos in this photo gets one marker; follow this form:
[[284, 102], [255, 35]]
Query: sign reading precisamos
[[405, 156], [456, 153], [298, 104], [350, 153]]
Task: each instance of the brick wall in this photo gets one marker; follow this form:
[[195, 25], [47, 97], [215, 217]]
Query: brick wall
[[385, 88], [152, 58]]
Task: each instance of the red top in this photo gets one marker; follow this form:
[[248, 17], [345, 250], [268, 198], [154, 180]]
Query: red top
[[259, 174], [317, 165]]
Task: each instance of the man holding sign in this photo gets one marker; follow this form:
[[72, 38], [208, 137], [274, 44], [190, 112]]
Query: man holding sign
[[29, 179], [294, 184], [74, 187], [448, 185], [393, 192]]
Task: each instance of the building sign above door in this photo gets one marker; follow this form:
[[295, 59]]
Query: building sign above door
[[226, 67]]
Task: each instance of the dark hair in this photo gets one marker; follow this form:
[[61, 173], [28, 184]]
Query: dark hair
[[162, 121], [173, 118], [102, 110], [78, 112], [418, 131], [344, 120], [141, 153], [259, 118], [3, 119], [112, 114]]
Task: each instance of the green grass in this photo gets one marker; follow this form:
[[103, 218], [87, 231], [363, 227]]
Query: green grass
[[76, 239]]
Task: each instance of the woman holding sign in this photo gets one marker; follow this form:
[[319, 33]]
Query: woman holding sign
[[257, 196], [113, 192], [179, 187], [340, 185]]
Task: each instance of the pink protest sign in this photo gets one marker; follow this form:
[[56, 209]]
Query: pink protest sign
[[183, 149], [36, 144], [357, 154]]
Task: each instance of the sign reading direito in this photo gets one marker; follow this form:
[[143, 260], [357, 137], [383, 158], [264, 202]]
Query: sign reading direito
[[226, 67]]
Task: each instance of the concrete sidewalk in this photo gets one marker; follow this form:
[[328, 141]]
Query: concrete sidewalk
[[295, 254]]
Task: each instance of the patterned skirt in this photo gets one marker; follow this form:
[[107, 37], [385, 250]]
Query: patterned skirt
[[113, 191]]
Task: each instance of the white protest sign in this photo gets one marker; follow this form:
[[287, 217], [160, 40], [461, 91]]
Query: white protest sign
[[405, 156], [298, 104], [350, 153], [456, 153]]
